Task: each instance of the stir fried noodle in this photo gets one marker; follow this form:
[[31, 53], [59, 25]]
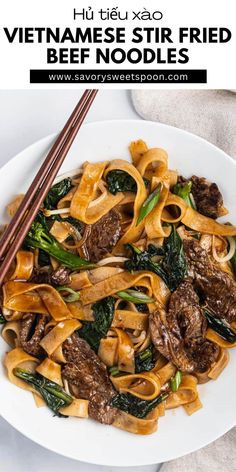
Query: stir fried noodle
[[122, 298]]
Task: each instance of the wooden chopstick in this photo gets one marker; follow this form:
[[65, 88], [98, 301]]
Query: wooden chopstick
[[20, 224], [40, 176]]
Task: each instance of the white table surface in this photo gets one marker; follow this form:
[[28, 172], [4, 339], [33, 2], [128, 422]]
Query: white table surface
[[25, 117]]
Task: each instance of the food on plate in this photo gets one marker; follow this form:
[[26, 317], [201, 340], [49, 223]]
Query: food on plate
[[122, 298]]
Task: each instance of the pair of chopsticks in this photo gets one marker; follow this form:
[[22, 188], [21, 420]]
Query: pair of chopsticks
[[21, 222]]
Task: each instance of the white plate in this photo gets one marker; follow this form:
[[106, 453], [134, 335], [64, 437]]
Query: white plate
[[177, 433]]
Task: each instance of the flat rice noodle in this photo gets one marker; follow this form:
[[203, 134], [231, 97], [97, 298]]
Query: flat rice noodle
[[66, 200], [58, 335], [86, 192], [35, 298], [58, 355], [153, 222], [172, 176], [39, 401], [142, 339], [13, 206], [11, 315], [203, 224], [157, 158], [175, 201], [202, 377], [137, 149], [108, 351], [54, 263], [144, 385], [50, 325], [133, 232], [129, 197], [51, 370], [134, 425], [161, 409], [60, 231], [78, 408], [217, 339], [146, 343], [19, 358], [125, 351], [186, 393], [102, 273], [162, 362], [164, 373], [192, 407], [24, 265], [11, 333], [79, 280], [219, 365], [127, 319], [81, 312], [123, 281]]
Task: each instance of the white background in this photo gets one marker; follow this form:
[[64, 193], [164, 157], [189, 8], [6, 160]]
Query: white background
[[219, 59], [26, 116]]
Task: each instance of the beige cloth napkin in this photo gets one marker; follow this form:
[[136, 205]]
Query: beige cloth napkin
[[220, 456], [210, 114]]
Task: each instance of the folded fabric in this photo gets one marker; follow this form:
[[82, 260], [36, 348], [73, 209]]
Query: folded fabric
[[207, 113], [220, 456]]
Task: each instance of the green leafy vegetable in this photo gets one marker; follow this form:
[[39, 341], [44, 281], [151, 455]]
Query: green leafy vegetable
[[121, 181], [220, 327], [56, 193], [173, 266], [72, 297], [43, 258], [142, 307], [174, 262], [94, 331], [149, 204], [134, 296], [142, 260], [2, 319], [183, 190], [144, 360], [176, 381], [39, 237], [134, 405], [54, 396]]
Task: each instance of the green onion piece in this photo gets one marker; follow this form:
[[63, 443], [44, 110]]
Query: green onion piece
[[72, 297], [184, 192], [176, 381], [114, 370], [134, 296], [134, 248], [149, 204], [2, 319], [143, 356]]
